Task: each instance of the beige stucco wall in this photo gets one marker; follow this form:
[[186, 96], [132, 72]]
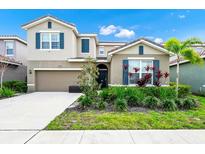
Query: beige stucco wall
[[70, 43], [92, 47], [106, 48], [31, 78], [21, 53], [116, 72]]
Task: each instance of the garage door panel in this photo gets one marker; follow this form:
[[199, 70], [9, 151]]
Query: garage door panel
[[55, 80]]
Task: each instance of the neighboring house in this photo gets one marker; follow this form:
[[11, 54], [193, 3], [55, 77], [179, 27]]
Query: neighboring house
[[57, 52], [193, 75], [13, 50]]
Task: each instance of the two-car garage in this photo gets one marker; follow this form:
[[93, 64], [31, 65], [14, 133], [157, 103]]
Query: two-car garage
[[55, 80]]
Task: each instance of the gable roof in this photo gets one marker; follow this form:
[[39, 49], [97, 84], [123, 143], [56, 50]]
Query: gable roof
[[12, 37], [46, 18], [138, 41]]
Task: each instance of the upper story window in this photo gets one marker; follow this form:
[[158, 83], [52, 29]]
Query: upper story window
[[50, 40], [85, 45], [9, 48], [101, 50]]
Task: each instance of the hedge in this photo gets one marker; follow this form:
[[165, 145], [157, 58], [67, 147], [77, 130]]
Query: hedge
[[183, 91], [18, 86], [111, 93]]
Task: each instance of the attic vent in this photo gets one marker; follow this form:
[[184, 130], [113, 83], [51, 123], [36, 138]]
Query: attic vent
[[141, 50], [49, 25]]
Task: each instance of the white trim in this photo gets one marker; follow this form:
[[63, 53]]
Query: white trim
[[138, 42], [5, 38], [102, 61], [76, 60], [141, 58], [88, 35], [57, 69], [30, 84], [49, 31], [84, 60], [26, 27], [111, 43]]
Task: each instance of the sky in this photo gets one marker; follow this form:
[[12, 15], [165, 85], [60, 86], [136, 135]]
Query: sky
[[116, 25]]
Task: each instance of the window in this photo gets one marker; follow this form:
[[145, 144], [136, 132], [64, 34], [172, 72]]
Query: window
[[55, 41], [141, 65], [85, 45], [9, 48], [50, 41], [101, 51]]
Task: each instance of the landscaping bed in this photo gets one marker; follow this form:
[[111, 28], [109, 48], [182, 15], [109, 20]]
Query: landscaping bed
[[151, 119], [134, 108], [13, 88]]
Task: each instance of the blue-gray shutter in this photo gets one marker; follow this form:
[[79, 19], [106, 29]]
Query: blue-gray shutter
[[61, 40], [125, 72], [156, 69], [49, 25], [85, 45], [141, 50], [38, 38]]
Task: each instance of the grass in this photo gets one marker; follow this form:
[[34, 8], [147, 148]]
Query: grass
[[95, 120]]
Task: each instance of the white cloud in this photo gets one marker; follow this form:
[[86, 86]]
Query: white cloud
[[181, 16], [108, 30], [158, 40], [174, 30], [125, 33]]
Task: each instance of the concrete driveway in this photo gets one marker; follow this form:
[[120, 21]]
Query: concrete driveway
[[33, 111]]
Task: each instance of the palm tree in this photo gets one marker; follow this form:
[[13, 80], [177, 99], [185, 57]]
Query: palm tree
[[184, 50]]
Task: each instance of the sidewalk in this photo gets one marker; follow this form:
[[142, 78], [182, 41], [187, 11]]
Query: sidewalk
[[105, 137]]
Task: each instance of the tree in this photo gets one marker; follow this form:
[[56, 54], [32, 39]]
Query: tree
[[88, 78], [183, 50], [3, 67]]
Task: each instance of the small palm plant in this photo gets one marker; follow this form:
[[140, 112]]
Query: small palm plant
[[184, 50]]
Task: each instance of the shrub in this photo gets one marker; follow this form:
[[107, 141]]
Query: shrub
[[169, 105], [6, 92], [160, 92], [101, 105], [179, 102], [18, 86], [107, 95], [183, 91], [85, 101], [120, 105], [133, 100], [189, 103], [151, 102]]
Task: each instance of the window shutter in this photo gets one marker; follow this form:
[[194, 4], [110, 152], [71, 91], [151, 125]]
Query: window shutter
[[85, 45], [141, 50], [38, 38], [156, 69], [125, 72], [49, 25], [61, 40]]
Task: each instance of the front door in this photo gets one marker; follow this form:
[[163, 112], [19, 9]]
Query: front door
[[103, 78]]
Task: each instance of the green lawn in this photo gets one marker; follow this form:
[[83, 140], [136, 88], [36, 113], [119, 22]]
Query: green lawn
[[93, 120]]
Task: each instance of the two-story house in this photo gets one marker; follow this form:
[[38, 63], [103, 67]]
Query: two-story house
[[13, 51], [56, 52]]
